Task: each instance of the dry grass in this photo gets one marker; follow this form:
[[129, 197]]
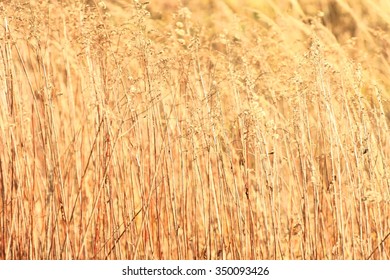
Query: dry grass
[[209, 131]]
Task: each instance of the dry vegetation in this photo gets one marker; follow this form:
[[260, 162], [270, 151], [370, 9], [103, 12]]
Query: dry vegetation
[[215, 130]]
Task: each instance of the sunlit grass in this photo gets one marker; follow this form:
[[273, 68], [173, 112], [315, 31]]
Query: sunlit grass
[[216, 130]]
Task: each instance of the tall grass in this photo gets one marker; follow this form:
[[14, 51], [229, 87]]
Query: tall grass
[[214, 130]]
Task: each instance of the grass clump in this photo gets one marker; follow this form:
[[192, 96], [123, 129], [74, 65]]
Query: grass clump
[[178, 131]]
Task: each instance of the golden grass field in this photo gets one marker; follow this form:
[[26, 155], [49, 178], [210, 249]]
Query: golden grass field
[[211, 129]]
